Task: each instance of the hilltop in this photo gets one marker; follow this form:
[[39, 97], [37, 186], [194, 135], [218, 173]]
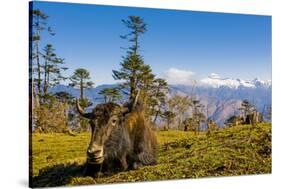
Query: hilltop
[[58, 159]]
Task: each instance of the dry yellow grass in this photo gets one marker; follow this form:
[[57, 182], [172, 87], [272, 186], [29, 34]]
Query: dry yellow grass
[[58, 159]]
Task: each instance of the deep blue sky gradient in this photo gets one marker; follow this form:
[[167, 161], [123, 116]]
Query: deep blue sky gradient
[[231, 45]]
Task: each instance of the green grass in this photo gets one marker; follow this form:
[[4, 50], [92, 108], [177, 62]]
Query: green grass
[[58, 159]]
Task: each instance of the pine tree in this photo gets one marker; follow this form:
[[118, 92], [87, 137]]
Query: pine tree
[[180, 105], [81, 78], [168, 116], [146, 81], [64, 97], [137, 27], [38, 25], [157, 100], [197, 114], [132, 65], [52, 68], [138, 76], [110, 94], [246, 108]]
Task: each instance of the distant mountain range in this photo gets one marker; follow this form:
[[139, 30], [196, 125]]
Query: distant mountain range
[[216, 81], [221, 97]]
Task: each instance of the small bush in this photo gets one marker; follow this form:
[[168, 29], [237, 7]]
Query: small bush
[[51, 117]]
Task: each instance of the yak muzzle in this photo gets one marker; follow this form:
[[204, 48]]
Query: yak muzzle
[[95, 154]]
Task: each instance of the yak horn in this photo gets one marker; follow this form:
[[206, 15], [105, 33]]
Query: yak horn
[[82, 112], [130, 106]]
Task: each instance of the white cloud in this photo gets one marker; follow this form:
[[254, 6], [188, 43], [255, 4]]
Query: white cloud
[[214, 76], [176, 76]]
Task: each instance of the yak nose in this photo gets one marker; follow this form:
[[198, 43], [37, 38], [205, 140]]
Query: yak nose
[[95, 151]]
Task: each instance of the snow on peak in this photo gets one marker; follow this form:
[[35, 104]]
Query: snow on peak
[[215, 81], [259, 82]]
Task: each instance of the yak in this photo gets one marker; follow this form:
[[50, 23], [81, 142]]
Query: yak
[[120, 138], [235, 120], [254, 118]]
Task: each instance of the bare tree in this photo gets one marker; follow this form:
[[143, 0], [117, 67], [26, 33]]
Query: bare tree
[[180, 105]]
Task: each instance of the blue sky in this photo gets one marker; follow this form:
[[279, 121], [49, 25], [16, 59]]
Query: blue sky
[[186, 44]]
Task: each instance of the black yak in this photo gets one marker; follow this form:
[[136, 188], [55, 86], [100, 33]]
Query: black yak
[[121, 138]]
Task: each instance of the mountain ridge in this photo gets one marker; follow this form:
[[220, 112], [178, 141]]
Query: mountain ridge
[[222, 101]]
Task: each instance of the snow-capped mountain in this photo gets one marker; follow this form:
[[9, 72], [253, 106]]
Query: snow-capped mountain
[[225, 100], [215, 81]]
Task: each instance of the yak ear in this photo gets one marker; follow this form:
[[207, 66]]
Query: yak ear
[[82, 112], [125, 108]]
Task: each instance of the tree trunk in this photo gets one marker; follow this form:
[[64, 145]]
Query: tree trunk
[[38, 71], [136, 43], [33, 93], [168, 124], [156, 116], [38, 65], [180, 121], [48, 80], [132, 87], [45, 79], [81, 90]]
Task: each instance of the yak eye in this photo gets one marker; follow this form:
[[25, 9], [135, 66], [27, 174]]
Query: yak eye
[[114, 121]]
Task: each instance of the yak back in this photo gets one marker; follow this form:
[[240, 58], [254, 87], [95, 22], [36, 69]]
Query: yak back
[[141, 135]]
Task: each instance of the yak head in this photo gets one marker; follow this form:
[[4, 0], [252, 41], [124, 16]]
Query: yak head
[[103, 120]]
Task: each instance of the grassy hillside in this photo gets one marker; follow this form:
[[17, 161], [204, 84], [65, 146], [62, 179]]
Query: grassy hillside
[[58, 159]]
